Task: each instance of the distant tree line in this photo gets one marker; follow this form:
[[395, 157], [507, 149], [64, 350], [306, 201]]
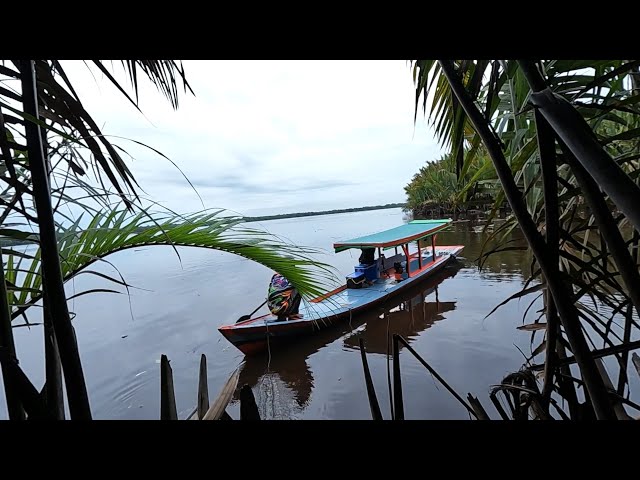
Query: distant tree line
[[326, 212]]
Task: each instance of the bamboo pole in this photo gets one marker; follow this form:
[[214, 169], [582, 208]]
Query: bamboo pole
[[547, 149], [53, 370], [14, 406], [217, 408], [30, 398], [50, 259]]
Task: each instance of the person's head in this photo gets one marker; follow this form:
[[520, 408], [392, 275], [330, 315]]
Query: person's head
[[367, 255]]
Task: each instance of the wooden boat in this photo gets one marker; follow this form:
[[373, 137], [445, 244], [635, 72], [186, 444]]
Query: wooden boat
[[366, 287], [410, 313]]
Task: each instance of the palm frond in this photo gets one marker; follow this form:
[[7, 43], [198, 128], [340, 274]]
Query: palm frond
[[65, 119], [115, 230]]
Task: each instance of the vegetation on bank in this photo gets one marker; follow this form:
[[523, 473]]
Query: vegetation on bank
[[438, 188], [563, 137]]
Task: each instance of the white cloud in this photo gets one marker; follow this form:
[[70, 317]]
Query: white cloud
[[277, 136]]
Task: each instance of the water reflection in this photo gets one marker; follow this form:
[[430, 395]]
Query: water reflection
[[504, 266], [407, 319], [408, 314]]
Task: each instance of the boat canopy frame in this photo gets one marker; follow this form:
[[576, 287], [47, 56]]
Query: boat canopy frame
[[401, 236], [412, 231]]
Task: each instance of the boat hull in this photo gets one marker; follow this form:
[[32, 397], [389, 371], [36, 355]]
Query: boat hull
[[256, 335]]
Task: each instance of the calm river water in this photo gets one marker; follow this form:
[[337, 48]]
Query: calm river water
[[122, 337]]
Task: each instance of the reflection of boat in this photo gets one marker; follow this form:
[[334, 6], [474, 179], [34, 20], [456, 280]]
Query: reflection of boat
[[290, 366], [408, 319], [372, 282]]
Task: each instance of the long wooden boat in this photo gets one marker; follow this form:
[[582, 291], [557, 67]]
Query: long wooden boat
[[366, 287], [411, 312]]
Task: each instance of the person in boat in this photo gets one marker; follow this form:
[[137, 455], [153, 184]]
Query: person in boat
[[367, 256], [283, 299]]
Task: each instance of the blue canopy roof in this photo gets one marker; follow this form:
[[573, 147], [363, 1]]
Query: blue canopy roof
[[409, 232]]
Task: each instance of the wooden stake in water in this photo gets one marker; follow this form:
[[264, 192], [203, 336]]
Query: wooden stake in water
[[203, 388], [397, 381], [248, 406], [376, 414], [167, 395]]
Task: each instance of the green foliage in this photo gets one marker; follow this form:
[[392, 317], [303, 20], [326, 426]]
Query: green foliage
[[119, 229], [605, 94], [437, 183]]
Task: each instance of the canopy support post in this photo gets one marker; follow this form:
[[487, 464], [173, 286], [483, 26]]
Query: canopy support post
[[406, 253]]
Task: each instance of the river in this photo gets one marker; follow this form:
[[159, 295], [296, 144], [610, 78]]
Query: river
[[181, 302]]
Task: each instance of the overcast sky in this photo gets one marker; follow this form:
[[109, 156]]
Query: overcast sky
[[263, 137]]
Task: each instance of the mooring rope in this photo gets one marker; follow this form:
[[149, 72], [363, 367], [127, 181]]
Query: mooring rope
[[268, 347]]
